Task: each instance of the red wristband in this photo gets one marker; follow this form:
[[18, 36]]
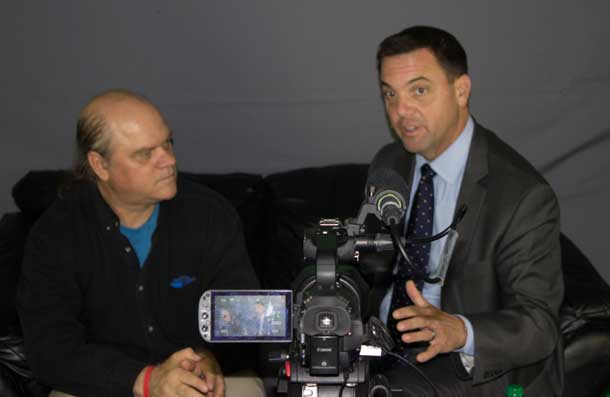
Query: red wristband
[[147, 374]]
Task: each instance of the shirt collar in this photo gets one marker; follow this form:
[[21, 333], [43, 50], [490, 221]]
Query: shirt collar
[[450, 164], [150, 223], [104, 212]]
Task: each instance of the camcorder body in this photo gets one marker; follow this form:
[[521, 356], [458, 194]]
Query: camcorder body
[[325, 316], [326, 311], [331, 323]]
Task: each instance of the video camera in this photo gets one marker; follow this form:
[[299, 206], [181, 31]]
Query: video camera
[[326, 356], [325, 316]]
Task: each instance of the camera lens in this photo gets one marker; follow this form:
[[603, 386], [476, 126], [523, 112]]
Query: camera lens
[[326, 320]]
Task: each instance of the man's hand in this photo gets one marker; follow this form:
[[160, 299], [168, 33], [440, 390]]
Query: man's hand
[[209, 369], [172, 378], [444, 332]]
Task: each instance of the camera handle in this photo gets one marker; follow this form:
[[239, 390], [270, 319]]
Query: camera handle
[[326, 259]]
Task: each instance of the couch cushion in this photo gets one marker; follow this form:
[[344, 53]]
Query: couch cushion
[[37, 190], [587, 362], [15, 377], [587, 295], [13, 231]]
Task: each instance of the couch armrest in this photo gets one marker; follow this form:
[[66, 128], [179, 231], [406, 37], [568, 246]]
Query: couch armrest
[[585, 325], [587, 295]]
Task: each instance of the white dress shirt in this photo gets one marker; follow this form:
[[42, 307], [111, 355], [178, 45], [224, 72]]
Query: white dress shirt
[[449, 168]]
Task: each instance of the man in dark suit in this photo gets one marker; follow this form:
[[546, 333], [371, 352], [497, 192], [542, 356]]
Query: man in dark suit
[[494, 320], [260, 324]]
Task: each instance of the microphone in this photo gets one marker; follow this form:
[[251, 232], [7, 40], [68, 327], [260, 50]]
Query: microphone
[[391, 206], [387, 190]]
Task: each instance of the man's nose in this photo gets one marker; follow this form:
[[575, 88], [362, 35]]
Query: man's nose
[[405, 108]]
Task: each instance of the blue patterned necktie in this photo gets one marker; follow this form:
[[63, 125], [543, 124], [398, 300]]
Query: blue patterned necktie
[[420, 225]]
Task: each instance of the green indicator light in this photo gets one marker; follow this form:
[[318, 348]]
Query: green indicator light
[[514, 391]]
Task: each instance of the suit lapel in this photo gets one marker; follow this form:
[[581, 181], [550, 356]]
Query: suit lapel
[[473, 194]]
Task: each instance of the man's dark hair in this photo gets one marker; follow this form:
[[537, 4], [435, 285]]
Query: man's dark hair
[[91, 135], [446, 48]]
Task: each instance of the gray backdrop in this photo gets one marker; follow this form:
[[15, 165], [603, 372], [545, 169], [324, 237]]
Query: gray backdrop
[[265, 86]]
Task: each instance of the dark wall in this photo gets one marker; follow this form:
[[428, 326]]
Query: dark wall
[[264, 86]]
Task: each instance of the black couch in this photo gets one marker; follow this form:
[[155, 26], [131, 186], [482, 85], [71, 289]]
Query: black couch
[[275, 210]]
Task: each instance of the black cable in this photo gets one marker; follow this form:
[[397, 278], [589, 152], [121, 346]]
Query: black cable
[[395, 234], [423, 240], [456, 220], [401, 358], [345, 379]]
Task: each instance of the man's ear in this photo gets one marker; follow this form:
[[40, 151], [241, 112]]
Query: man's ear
[[462, 86], [98, 164]]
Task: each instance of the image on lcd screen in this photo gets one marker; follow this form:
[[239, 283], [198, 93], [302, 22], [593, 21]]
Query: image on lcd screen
[[243, 316]]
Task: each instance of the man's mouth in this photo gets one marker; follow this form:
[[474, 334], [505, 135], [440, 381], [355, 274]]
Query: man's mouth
[[168, 177], [410, 129]]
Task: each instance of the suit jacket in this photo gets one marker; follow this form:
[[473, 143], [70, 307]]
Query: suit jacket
[[256, 326], [505, 274]]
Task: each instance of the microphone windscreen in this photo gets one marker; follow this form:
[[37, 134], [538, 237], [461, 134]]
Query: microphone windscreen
[[388, 170], [386, 179]]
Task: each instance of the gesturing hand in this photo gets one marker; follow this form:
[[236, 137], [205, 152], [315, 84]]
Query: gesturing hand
[[443, 331]]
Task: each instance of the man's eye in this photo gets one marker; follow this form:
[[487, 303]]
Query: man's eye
[[420, 91], [389, 94], [145, 154]]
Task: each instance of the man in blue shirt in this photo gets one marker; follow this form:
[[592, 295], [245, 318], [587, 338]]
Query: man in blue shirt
[[494, 320], [114, 269]]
